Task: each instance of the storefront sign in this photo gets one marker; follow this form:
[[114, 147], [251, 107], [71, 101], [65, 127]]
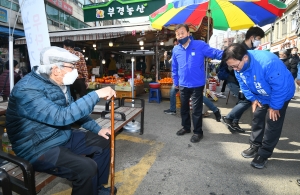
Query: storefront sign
[[265, 46], [3, 15], [35, 27], [120, 9], [62, 5]]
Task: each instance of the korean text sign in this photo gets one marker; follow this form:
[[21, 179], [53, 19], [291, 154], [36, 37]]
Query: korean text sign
[[35, 27], [120, 9]]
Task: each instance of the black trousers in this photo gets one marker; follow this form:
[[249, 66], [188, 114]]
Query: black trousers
[[197, 104], [83, 160], [266, 132], [78, 87]]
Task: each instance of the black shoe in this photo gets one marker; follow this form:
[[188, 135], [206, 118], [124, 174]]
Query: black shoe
[[182, 131], [259, 162], [218, 115], [169, 112], [228, 122], [250, 152], [238, 128], [196, 138], [298, 182], [106, 191]]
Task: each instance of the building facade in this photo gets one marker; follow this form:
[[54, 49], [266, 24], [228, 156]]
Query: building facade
[[282, 33]]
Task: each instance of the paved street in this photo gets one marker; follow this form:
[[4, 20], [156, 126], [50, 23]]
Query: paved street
[[160, 162]]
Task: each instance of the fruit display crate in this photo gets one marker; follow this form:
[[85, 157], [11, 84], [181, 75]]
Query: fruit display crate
[[108, 85], [121, 94], [165, 90]]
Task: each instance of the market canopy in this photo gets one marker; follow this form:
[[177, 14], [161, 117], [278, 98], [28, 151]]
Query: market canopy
[[95, 33]]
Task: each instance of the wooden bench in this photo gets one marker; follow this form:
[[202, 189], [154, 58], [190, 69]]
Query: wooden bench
[[24, 180]]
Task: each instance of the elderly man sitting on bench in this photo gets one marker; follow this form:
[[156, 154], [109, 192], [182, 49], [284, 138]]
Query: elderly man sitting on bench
[[39, 117]]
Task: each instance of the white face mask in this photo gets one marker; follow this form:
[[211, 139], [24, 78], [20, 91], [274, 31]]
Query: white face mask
[[112, 56], [70, 77], [256, 43], [294, 52], [17, 70]]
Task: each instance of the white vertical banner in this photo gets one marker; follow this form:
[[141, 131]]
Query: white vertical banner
[[35, 27]]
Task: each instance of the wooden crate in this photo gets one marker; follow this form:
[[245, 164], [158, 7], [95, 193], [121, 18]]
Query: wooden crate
[[121, 94]]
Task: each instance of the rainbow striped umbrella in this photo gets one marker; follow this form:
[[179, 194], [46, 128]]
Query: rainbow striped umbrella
[[233, 14]]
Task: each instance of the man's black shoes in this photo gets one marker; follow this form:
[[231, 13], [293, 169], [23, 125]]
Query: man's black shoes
[[237, 128], [196, 138], [182, 132], [169, 112], [234, 127], [250, 152], [218, 115], [106, 191], [259, 162]]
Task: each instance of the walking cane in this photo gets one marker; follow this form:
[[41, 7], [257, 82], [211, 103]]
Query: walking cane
[[112, 147]]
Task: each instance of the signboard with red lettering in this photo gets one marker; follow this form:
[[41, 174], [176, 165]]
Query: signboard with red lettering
[[62, 5], [35, 27]]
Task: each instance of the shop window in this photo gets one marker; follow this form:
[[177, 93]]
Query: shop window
[[52, 12], [73, 22], [283, 27], [10, 4], [294, 22], [64, 18]]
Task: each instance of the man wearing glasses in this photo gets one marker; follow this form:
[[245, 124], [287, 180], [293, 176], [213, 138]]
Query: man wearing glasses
[[39, 117], [253, 37], [269, 86]]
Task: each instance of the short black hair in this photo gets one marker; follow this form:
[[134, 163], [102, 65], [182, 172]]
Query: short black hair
[[254, 31], [69, 43], [78, 49], [234, 51], [175, 39], [7, 64], [182, 25]]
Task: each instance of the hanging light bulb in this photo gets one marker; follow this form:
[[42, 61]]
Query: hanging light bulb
[[95, 48], [142, 48], [94, 45], [103, 61], [86, 58], [111, 44], [162, 43], [83, 50], [141, 42], [132, 59]]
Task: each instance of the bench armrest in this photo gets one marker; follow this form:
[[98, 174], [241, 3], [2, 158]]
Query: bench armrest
[[26, 167]]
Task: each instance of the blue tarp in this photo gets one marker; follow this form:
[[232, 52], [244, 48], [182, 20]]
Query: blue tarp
[[4, 31]]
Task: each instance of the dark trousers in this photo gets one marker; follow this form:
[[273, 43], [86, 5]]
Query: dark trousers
[[266, 132], [197, 104], [84, 160], [78, 87]]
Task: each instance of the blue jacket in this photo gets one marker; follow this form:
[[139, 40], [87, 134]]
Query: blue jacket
[[39, 118], [188, 69], [266, 79]]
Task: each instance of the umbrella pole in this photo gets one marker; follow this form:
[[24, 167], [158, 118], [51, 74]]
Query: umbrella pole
[[112, 147], [206, 62]]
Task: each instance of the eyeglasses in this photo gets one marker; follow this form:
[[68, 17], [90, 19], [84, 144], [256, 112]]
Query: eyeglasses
[[236, 66], [72, 67]]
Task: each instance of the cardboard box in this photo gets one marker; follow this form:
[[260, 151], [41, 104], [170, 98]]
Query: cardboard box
[[212, 95]]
